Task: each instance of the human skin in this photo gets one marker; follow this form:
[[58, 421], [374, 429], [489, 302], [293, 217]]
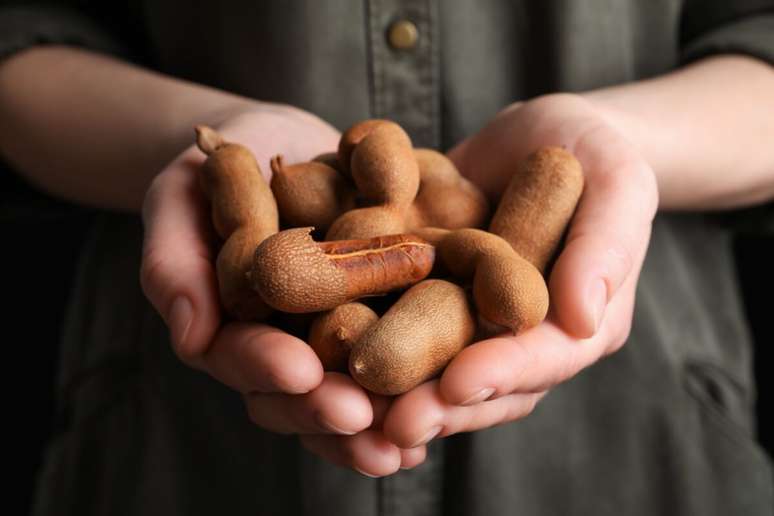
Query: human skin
[[640, 144]]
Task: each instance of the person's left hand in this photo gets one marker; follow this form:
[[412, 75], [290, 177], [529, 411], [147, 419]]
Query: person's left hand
[[592, 284]]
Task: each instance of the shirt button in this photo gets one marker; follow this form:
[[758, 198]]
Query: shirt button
[[403, 35]]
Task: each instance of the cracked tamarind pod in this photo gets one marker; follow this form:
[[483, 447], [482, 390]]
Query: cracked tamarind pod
[[295, 274]]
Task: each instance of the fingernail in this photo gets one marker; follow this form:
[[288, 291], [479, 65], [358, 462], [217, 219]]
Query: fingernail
[[597, 301], [180, 318], [364, 473], [427, 437], [480, 396], [327, 425]]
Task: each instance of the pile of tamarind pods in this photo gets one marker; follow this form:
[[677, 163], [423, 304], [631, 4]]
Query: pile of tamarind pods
[[387, 217]]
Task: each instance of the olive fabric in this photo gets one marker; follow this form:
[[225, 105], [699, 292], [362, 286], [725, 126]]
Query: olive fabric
[[665, 426]]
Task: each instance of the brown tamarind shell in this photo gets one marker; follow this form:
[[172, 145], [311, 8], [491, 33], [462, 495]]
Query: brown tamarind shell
[[538, 204], [445, 198], [243, 212], [414, 340], [507, 289], [354, 135], [310, 194]]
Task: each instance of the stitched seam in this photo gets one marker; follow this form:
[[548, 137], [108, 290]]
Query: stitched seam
[[377, 60], [434, 90]]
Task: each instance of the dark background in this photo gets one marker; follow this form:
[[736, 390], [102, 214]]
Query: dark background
[[41, 241]]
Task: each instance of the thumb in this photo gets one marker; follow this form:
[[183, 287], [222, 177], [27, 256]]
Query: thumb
[[608, 236], [177, 274]]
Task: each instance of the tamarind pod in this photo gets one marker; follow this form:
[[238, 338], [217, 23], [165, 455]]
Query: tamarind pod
[[538, 204], [386, 175], [445, 198], [351, 137], [334, 332], [507, 290], [367, 222], [510, 291], [293, 273], [243, 213], [383, 167], [414, 340], [310, 194]]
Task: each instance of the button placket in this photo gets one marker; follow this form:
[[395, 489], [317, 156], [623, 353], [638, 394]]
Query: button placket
[[404, 75], [403, 66]]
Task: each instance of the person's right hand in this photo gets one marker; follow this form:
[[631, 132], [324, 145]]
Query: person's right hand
[[280, 377]]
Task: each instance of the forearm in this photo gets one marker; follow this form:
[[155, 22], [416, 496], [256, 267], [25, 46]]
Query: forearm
[[707, 131], [96, 130]]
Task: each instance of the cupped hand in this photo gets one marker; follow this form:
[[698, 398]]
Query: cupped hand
[[592, 284], [280, 377]]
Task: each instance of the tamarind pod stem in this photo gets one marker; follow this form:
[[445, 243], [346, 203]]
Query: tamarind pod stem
[[293, 273]]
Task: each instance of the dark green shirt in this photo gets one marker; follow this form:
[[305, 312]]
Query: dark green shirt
[[665, 426]]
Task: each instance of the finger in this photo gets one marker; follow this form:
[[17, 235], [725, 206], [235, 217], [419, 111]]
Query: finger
[[338, 406], [259, 358], [422, 414], [367, 452], [609, 232], [535, 360], [412, 457], [176, 272]]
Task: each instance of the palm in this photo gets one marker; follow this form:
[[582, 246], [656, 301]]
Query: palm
[[592, 283], [280, 377]]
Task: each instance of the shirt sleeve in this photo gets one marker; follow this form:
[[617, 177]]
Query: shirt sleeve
[[711, 27], [23, 26]]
